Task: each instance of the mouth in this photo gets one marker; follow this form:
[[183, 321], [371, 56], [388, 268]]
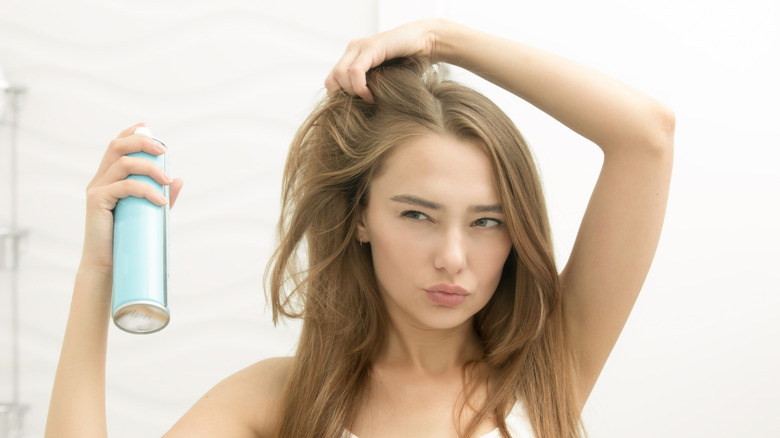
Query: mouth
[[447, 295]]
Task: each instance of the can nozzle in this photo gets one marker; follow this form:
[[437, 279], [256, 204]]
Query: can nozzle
[[142, 130]]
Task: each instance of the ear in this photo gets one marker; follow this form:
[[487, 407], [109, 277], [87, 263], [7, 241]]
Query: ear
[[362, 229]]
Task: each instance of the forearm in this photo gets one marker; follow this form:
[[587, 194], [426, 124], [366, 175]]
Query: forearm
[[77, 407], [614, 116]]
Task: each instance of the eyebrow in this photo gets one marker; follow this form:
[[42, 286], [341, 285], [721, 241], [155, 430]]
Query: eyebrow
[[420, 202]]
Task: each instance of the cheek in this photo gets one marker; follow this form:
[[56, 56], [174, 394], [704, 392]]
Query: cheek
[[397, 252], [490, 263]]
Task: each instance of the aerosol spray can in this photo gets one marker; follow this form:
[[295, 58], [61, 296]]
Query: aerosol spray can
[[139, 300]]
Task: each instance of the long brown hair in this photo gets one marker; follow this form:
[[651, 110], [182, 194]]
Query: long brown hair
[[321, 273]]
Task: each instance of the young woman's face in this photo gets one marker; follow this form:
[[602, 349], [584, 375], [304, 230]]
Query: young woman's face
[[436, 230]]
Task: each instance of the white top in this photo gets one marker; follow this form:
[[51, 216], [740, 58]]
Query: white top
[[517, 422]]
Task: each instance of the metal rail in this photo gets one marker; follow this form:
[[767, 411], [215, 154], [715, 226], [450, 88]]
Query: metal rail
[[11, 414]]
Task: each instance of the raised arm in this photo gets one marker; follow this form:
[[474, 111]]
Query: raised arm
[[243, 405], [621, 227], [77, 406]]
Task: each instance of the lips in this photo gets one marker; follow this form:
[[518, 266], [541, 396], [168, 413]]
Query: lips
[[447, 295]]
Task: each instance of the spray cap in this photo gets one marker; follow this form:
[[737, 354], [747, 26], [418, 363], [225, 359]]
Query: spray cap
[[142, 130]]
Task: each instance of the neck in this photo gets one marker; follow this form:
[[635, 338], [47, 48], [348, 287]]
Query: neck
[[430, 351]]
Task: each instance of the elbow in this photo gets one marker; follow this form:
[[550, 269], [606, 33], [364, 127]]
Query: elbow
[[660, 136], [649, 136], [667, 122], [644, 131]]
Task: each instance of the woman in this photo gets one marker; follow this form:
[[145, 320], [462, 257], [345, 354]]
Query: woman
[[431, 301]]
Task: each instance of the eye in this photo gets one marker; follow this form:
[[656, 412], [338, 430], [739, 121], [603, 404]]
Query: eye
[[487, 222], [415, 215]]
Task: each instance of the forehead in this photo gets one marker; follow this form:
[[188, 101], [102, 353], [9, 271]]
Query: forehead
[[438, 167]]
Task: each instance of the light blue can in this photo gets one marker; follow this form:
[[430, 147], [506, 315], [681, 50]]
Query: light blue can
[[139, 299]]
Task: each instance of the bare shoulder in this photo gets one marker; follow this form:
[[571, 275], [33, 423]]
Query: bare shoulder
[[245, 404]]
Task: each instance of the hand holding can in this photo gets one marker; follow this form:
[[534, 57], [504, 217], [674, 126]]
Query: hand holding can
[[139, 302]]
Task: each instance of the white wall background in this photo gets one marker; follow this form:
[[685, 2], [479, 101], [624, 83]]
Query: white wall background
[[225, 84]]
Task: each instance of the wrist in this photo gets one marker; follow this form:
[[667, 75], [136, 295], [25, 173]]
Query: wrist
[[445, 39], [95, 274]]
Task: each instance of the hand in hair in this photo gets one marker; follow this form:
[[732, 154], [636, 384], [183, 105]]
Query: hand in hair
[[349, 74]]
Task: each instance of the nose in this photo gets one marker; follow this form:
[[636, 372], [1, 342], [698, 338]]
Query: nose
[[451, 253]]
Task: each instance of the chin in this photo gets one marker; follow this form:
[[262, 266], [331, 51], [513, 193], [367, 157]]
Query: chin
[[447, 320]]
